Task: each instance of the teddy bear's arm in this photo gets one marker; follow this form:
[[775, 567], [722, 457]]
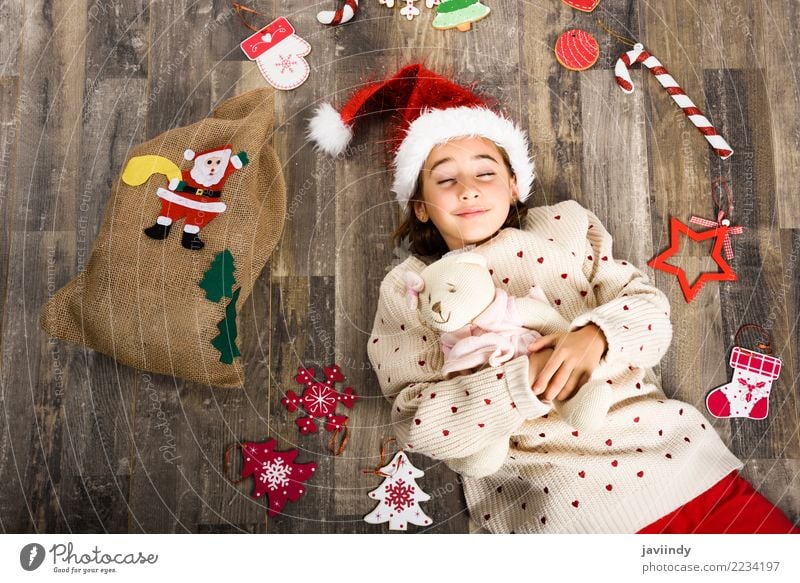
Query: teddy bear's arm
[[540, 316]]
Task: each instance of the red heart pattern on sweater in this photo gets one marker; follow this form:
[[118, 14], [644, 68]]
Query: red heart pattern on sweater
[[445, 432], [639, 473], [582, 474], [540, 260], [576, 503]]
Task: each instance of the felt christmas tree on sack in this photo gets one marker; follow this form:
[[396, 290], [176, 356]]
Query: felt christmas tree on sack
[[459, 14], [188, 228]]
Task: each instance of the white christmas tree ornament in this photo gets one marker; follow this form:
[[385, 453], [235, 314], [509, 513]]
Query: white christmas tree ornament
[[399, 496]]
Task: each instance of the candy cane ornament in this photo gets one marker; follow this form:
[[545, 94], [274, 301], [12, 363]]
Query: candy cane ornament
[[344, 14], [700, 121]]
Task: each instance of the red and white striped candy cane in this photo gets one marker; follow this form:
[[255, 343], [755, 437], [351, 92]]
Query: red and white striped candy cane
[[344, 14], [639, 55]]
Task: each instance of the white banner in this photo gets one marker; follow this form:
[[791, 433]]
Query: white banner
[[382, 559]]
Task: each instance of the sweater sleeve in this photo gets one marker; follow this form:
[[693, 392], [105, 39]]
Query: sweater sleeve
[[632, 313], [445, 419]]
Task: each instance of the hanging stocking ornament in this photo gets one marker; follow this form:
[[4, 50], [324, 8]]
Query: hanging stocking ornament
[[747, 395], [344, 14], [319, 400], [275, 473], [639, 55], [398, 496], [278, 52]]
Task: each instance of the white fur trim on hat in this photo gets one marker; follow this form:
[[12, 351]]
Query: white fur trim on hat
[[236, 162], [189, 154], [438, 126], [328, 131]]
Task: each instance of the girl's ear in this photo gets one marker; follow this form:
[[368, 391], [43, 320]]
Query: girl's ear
[[420, 211], [514, 189]]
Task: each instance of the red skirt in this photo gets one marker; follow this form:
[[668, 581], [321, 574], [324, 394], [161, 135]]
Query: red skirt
[[731, 506]]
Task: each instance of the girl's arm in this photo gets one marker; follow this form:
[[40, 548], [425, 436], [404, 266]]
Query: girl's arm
[[445, 419], [632, 313]]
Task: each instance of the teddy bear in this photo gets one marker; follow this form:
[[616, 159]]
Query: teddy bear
[[480, 324]]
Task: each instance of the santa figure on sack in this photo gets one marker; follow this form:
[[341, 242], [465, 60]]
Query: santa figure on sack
[[195, 196]]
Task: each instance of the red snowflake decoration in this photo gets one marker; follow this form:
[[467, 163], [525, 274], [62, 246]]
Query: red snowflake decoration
[[319, 400], [399, 495], [275, 473]]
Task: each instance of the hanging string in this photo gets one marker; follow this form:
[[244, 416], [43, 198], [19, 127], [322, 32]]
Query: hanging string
[[621, 38], [377, 469], [723, 218], [343, 443], [722, 185], [226, 463], [239, 8], [765, 348]]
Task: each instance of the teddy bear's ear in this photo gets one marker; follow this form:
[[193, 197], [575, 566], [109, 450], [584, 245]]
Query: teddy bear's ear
[[414, 285], [473, 258]]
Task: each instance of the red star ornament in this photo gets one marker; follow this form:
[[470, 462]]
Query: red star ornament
[[691, 290], [275, 473]]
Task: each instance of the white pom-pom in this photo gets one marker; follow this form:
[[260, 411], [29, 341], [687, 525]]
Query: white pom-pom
[[328, 131], [189, 154], [236, 162]]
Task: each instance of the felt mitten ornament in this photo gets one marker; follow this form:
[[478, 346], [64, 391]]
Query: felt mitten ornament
[[747, 394], [279, 54]]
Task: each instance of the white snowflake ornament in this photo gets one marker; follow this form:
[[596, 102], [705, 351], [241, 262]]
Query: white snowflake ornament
[[399, 496]]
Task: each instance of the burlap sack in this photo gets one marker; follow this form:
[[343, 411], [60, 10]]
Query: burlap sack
[[139, 298]]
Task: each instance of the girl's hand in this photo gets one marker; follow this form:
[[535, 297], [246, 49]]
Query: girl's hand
[[576, 355], [536, 362]]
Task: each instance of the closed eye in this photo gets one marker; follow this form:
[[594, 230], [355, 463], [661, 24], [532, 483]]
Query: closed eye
[[445, 181]]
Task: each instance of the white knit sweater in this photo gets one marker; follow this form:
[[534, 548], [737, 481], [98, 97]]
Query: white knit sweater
[[651, 456]]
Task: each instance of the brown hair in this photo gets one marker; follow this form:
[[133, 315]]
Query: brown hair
[[426, 240]]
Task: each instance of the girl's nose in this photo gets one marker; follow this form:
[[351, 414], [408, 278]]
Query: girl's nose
[[469, 194]]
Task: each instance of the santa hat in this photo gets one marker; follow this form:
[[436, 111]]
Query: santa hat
[[430, 110], [237, 161]]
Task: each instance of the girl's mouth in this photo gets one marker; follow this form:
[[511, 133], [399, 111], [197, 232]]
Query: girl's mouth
[[469, 213]]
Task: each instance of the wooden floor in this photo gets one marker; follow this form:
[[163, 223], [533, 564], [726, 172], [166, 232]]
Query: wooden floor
[[87, 445]]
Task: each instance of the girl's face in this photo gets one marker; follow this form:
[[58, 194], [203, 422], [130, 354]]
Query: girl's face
[[467, 191]]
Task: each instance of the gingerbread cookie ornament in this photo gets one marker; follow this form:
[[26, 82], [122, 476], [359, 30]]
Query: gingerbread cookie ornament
[[577, 50]]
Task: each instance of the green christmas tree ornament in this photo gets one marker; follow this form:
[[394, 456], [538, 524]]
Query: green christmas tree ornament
[[225, 342], [459, 14], [218, 280]]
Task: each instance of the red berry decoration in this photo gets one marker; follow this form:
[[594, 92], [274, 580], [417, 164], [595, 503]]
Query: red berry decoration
[[577, 50], [319, 400], [275, 473]]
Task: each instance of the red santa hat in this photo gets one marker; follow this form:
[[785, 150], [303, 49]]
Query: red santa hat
[[429, 110], [224, 152]]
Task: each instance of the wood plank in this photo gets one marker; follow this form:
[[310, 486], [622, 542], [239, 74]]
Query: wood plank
[[12, 15], [9, 128], [51, 98], [778, 44], [308, 244], [35, 386], [758, 261], [302, 335]]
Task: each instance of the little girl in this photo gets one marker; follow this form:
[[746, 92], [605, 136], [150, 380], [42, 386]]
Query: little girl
[[462, 174]]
